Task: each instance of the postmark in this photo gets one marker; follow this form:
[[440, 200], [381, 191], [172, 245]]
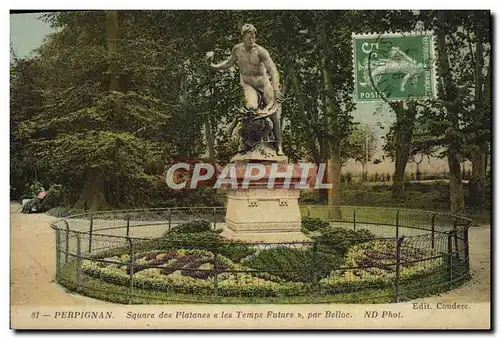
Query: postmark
[[394, 67]]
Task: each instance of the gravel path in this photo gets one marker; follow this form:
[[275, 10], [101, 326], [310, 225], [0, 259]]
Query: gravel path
[[33, 265]]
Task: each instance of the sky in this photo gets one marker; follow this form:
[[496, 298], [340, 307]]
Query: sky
[[27, 33]]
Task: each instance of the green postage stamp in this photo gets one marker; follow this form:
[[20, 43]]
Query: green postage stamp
[[394, 66]]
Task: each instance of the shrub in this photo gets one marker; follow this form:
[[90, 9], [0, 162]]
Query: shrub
[[294, 264], [56, 196], [193, 226], [201, 240], [310, 224], [338, 240], [31, 189], [349, 177], [235, 251], [211, 241], [61, 211], [306, 197], [423, 200]]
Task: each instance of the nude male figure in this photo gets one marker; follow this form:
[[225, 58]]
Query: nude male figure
[[254, 62]]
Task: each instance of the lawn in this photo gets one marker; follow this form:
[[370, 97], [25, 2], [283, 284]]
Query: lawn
[[428, 196]]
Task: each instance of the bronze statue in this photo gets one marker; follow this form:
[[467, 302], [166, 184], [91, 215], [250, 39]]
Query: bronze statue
[[262, 95]]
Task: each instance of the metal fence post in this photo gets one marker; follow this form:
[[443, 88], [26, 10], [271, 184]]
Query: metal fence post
[[128, 224], [90, 233], [131, 271], [58, 253], [215, 217], [308, 210], [433, 230], [399, 242], [450, 256], [216, 272], [67, 242], [466, 247], [397, 224], [456, 239], [354, 219], [314, 265], [78, 262], [169, 219]]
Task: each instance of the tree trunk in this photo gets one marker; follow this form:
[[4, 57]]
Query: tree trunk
[[477, 185], [332, 114], [112, 36], [477, 194], [405, 123], [92, 197], [324, 150], [457, 203], [317, 161], [317, 195], [210, 140], [334, 168], [448, 94]]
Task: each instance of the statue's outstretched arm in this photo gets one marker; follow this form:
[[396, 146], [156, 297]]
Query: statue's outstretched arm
[[228, 63]]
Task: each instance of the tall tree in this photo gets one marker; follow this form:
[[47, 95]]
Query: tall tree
[[462, 113], [101, 122], [25, 102], [361, 146], [474, 72]]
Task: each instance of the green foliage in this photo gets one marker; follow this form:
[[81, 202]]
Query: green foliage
[[192, 226], [99, 289], [62, 211], [56, 196], [310, 224], [368, 265], [378, 257], [86, 123], [32, 189], [361, 144], [429, 196], [226, 147], [202, 240], [230, 284], [234, 250], [129, 103], [293, 264], [338, 240]]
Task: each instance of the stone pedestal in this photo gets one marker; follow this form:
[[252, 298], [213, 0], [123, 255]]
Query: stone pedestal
[[257, 210], [259, 213]]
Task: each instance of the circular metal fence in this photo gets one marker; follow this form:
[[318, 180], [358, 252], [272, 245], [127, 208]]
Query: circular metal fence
[[382, 255]]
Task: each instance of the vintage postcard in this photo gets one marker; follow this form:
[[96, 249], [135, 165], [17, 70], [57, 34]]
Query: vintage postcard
[[230, 169]]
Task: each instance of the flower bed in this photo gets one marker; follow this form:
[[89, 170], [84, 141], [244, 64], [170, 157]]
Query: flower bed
[[366, 265], [189, 271], [373, 264]]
